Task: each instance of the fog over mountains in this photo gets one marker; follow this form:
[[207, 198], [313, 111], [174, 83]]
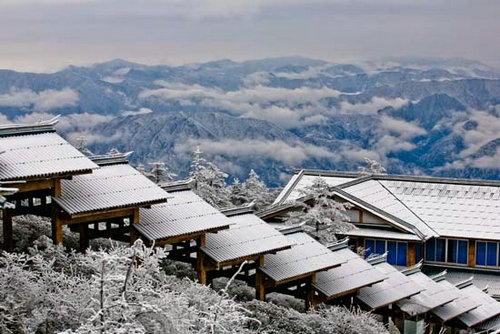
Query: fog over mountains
[[416, 116]]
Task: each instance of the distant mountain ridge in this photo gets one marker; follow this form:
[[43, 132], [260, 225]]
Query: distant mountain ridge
[[425, 116]]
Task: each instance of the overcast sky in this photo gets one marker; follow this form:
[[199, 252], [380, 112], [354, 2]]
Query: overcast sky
[[46, 35]]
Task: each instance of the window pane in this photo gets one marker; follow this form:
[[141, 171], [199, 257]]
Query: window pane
[[418, 252], [391, 252], [452, 251], [463, 251], [402, 248], [430, 248], [491, 254], [369, 247], [440, 251], [380, 246], [481, 253]]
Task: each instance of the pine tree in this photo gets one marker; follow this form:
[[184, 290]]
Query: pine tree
[[321, 215], [209, 180], [256, 191], [161, 173], [372, 167]]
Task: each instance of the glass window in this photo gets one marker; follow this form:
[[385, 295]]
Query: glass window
[[481, 253], [391, 252], [452, 251], [491, 254], [418, 252], [402, 253], [463, 251], [440, 250], [380, 246], [369, 247], [430, 249]]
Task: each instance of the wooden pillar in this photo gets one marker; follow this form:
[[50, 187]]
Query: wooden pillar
[[57, 234], [84, 237], [200, 261], [260, 290], [309, 298], [133, 221], [361, 218], [472, 253], [411, 255], [8, 242]]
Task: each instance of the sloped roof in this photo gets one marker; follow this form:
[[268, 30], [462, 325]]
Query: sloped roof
[[396, 287], [38, 155], [302, 180], [434, 206], [376, 194], [367, 232], [355, 273], [452, 210], [247, 236], [305, 257], [184, 213], [433, 295], [488, 308], [108, 187], [464, 303]]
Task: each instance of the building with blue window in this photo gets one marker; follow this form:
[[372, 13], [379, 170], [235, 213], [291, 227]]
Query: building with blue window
[[445, 223]]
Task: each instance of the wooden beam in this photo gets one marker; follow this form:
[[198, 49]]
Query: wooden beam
[[309, 298], [8, 242], [411, 255], [84, 237], [472, 253], [260, 289], [57, 234], [98, 216], [200, 261]]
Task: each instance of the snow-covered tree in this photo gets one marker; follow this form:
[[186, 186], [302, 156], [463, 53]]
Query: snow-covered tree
[[161, 173], [256, 191], [321, 215], [209, 181], [372, 167], [82, 146], [237, 194]]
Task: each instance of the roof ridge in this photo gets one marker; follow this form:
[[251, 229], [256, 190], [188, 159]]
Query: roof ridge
[[27, 129], [413, 178], [286, 191], [406, 206]]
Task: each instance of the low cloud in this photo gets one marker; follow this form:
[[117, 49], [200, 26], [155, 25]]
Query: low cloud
[[286, 107], [43, 101], [276, 150], [401, 128], [141, 111], [371, 107]]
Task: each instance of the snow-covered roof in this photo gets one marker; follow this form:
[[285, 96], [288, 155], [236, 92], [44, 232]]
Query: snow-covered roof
[[306, 256], [464, 303], [39, 155], [432, 295], [184, 213], [433, 206], [396, 287], [302, 180], [367, 232], [355, 273], [247, 236], [108, 187], [488, 308], [452, 210]]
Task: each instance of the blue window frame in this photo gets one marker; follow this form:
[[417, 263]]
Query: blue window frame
[[463, 251], [487, 254], [369, 247], [380, 247], [491, 254], [430, 250], [418, 252], [391, 252], [397, 251], [402, 253], [447, 250], [481, 253]]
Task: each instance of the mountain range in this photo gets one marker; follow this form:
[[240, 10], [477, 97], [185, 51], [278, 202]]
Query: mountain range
[[437, 117]]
